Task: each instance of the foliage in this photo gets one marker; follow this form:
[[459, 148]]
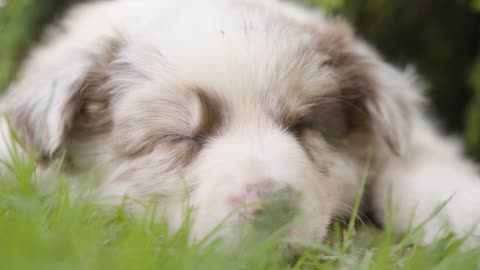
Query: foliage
[[45, 225], [21, 22], [476, 4], [328, 5], [473, 114]]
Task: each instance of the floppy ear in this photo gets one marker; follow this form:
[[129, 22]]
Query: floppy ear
[[392, 107], [389, 96], [59, 89]]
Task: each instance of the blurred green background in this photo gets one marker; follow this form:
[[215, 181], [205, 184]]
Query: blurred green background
[[441, 38]]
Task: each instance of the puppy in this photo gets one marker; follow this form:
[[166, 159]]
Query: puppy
[[237, 103]]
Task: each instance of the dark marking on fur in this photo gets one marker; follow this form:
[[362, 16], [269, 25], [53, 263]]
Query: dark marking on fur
[[84, 112], [305, 140], [169, 125], [357, 76], [92, 102], [184, 149], [212, 115], [357, 82]]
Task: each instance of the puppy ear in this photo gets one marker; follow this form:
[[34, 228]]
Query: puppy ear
[[389, 97], [392, 107], [59, 87]]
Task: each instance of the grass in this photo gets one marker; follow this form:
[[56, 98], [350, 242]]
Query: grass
[[43, 226], [21, 22]]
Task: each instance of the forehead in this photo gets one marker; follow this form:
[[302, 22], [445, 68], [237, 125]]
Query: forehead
[[239, 57]]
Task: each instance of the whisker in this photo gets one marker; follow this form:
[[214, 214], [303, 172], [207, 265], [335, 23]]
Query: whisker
[[344, 207]]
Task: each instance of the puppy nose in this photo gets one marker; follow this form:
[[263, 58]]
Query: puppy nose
[[263, 200]]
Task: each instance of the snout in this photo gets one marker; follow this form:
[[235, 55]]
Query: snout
[[265, 202], [261, 181]]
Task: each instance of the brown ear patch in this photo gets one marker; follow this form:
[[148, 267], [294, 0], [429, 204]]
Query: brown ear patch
[[354, 69], [378, 106], [80, 108], [357, 84], [92, 101]]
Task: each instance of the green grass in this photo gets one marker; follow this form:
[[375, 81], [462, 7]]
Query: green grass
[[21, 22], [44, 226]]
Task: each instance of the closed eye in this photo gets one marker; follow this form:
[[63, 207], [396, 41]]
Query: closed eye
[[177, 138], [328, 116]]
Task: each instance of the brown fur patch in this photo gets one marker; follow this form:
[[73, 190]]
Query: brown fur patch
[[342, 115], [357, 84], [184, 149], [169, 125], [84, 112], [87, 112], [354, 70], [92, 102], [212, 116]]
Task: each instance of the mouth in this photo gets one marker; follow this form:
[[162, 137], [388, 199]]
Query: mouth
[[275, 215]]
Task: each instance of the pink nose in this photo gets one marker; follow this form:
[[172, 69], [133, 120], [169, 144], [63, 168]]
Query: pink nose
[[249, 202], [256, 199]]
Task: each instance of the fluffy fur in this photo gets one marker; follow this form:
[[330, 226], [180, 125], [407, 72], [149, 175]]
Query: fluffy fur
[[237, 101]]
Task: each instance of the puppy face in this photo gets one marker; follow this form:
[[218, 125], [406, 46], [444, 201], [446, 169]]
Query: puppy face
[[239, 104]]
